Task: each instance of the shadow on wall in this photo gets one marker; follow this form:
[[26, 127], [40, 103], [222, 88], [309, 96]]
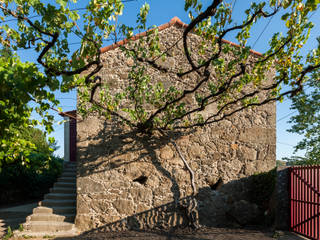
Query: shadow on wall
[[126, 173], [156, 222], [112, 143], [116, 151]]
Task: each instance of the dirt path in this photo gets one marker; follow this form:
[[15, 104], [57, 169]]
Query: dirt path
[[205, 234]]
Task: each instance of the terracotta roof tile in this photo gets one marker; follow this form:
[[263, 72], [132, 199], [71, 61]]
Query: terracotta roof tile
[[72, 114], [174, 21]]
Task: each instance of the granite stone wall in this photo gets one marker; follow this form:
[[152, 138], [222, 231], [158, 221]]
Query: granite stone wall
[[130, 180]]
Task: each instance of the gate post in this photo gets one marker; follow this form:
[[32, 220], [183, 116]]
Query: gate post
[[282, 216]]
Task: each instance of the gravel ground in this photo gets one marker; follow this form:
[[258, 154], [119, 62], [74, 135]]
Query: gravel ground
[[184, 234], [178, 234]]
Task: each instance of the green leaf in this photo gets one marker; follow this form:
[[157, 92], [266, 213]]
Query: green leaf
[[285, 16], [62, 3]]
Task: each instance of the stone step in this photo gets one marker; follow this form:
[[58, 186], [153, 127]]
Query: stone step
[[57, 203], [70, 168], [69, 171], [2, 228], [48, 226], [64, 185], [62, 190], [70, 163], [2, 232], [55, 210], [62, 196], [51, 217], [13, 222], [67, 179], [46, 235], [68, 174]]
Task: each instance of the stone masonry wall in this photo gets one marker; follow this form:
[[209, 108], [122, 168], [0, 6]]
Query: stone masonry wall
[[282, 220], [129, 180]]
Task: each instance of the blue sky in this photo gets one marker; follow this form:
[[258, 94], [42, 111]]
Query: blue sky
[[161, 12]]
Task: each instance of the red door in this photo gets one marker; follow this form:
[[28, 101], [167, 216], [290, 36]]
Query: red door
[[73, 139]]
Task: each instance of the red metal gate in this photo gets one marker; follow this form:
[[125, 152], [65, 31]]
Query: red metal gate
[[305, 200]]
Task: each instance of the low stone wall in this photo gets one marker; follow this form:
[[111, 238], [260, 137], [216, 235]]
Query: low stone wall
[[282, 220]]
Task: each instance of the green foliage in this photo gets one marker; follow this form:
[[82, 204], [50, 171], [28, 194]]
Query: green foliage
[[21, 227], [27, 237], [19, 183], [21, 83], [48, 236], [9, 234], [280, 163], [226, 87], [144, 104], [297, 160], [307, 123], [39, 139]]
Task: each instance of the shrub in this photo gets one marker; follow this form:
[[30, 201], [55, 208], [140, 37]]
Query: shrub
[[20, 183]]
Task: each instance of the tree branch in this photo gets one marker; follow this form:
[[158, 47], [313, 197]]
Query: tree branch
[[213, 119], [219, 40], [97, 83], [50, 44], [192, 211], [220, 91], [210, 11], [15, 15]]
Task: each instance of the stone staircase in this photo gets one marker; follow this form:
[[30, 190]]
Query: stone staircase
[[56, 213], [2, 228]]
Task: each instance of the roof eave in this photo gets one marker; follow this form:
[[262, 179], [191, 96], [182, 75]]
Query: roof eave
[[174, 21]]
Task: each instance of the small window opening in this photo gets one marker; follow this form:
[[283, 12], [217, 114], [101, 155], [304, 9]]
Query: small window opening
[[217, 185], [142, 179]]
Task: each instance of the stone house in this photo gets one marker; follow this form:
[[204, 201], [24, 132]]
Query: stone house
[[126, 180]]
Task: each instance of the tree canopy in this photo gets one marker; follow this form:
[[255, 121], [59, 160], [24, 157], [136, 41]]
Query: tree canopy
[[307, 121], [57, 68], [38, 138]]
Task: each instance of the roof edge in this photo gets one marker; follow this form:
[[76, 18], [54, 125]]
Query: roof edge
[[72, 114], [174, 21]]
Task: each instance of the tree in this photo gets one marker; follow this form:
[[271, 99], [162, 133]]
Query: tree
[[22, 180], [306, 122], [232, 85], [39, 139], [20, 83]]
